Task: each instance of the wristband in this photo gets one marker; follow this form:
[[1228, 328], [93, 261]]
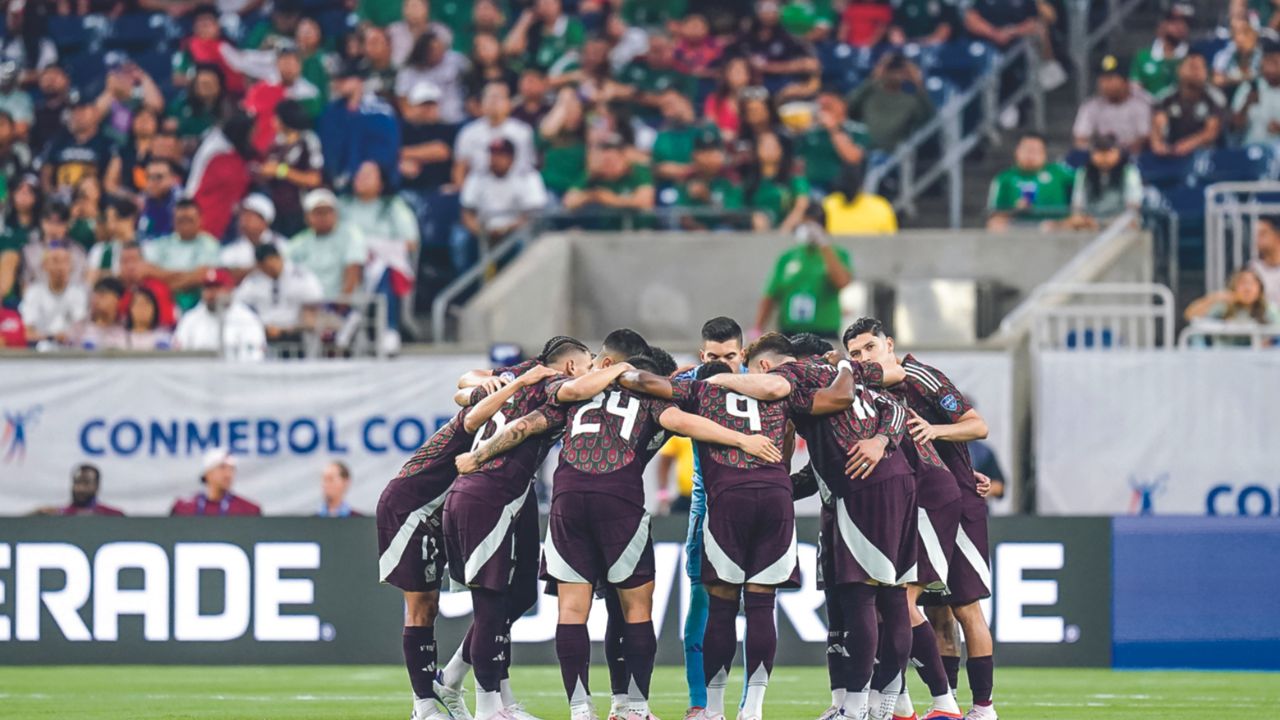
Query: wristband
[[282, 171], [664, 494], [845, 365]]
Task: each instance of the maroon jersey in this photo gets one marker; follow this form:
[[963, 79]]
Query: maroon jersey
[[933, 397], [430, 471], [724, 466], [93, 508], [608, 441], [230, 504], [832, 438]]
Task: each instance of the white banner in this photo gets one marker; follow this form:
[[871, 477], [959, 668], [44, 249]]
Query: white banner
[[1158, 432], [146, 423]]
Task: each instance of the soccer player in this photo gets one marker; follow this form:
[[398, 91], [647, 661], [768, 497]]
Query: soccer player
[[410, 544], [748, 533], [868, 523], [491, 540], [941, 415], [721, 342]]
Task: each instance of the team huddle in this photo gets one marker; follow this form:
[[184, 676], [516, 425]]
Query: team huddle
[[903, 521]]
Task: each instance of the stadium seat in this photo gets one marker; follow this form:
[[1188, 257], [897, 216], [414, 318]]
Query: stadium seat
[[962, 61], [74, 34], [1165, 171], [1209, 47], [86, 71], [136, 32], [335, 23], [1246, 163], [1076, 158], [940, 90], [1089, 339]]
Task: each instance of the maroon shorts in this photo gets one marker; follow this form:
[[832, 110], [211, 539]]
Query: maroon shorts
[[410, 543], [936, 545], [870, 535], [593, 538], [969, 577], [492, 545], [749, 536]]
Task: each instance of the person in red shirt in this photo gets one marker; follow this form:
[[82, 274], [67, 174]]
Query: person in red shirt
[[216, 498], [13, 334], [86, 479], [132, 269]]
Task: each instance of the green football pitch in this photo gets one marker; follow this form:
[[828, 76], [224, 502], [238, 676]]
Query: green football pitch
[[360, 692]]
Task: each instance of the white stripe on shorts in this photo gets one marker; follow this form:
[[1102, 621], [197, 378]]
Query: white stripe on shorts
[[557, 566], [877, 565], [779, 571], [493, 540], [726, 570], [970, 552], [395, 550], [625, 566], [933, 549]]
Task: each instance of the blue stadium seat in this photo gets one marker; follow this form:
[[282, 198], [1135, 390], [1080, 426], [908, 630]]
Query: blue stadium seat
[[962, 61], [940, 90], [1254, 162], [86, 71], [135, 32], [1165, 172], [159, 65], [1209, 47], [1090, 338], [72, 34], [1076, 158], [335, 24]]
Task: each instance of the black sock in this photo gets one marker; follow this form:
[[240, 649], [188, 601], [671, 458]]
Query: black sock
[[952, 665], [981, 680], [420, 659]]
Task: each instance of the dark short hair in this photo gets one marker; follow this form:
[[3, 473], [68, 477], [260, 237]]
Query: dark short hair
[[721, 329], [56, 211], [808, 344], [1031, 135], [265, 251], [292, 115], [1272, 220], [625, 342], [343, 470], [123, 206], [170, 165], [89, 468], [711, 369], [645, 363], [772, 343], [186, 203], [666, 364], [559, 346], [111, 285], [862, 326]]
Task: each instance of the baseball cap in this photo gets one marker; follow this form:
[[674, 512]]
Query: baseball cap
[[708, 139], [217, 277], [502, 145], [424, 92], [1103, 142], [216, 457], [1111, 65], [260, 204], [320, 197]]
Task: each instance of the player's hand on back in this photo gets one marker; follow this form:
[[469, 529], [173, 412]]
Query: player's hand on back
[[864, 458], [761, 447], [921, 430], [833, 357], [984, 483], [466, 463], [494, 384], [537, 374]]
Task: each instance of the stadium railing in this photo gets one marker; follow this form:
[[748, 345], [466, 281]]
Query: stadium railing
[[1083, 41], [947, 130], [1231, 211], [1103, 316], [1205, 334], [341, 328]]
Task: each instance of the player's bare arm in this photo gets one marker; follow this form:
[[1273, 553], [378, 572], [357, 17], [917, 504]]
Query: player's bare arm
[[591, 384], [971, 426], [485, 409], [838, 396], [761, 386], [647, 383], [535, 423], [701, 429]]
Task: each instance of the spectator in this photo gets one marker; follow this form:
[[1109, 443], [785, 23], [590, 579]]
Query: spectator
[[543, 34], [10, 269], [1188, 115], [427, 148], [159, 200], [673, 148], [1243, 304], [29, 54], [206, 47], [756, 116], [218, 474], [1107, 185], [866, 23], [721, 104], [220, 323], [357, 127], [13, 99], [143, 331], [257, 212], [923, 22], [287, 83], [86, 483], [1240, 61], [101, 330], [276, 30], [128, 90], [315, 60], [850, 210], [202, 105], [779, 195], [86, 212], [562, 141], [77, 151], [831, 143], [804, 287], [1004, 22], [708, 185], [293, 165], [1256, 106], [390, 230], [487, 65], [121, 227], [645, 78], [335, 251], [495, 204], [788, 66], [698, 51], [132, 268], [181, 258], [485, 16], [50, 308], [53, 229], [892, 103], [219, 174], [22, 215], [414, 22], [1266, 261], [55, 99], [808, 20], [476, 137], [15, 156], [434, 61], [1032, 190], [280, 292], [335, 483], [1116, 111], [1156, 68], [375, 46], [612, 181], [531, 103], [127, 170]]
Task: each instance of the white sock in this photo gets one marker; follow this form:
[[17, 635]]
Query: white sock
[[635, 702], [715, 693], [946, 702], [873, 703], [488, 704], [579, 707], [455, 671], [837, 697], [508, 697], [855, 705], [757, 683], [904, 708], [620, 702]]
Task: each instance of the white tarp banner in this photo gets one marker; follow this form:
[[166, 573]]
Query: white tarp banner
[[146, 423], [1157, 432]]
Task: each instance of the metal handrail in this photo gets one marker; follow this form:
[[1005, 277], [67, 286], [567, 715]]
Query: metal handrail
[[1134, 321], [1261, 336], [1083, 41], [1224, 210]]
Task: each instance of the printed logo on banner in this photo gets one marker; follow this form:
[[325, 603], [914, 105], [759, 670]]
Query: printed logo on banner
[[14, 436], [1143, 500], [1252, 500]]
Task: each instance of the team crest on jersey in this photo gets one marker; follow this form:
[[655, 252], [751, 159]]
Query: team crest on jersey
[[950, 403]]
